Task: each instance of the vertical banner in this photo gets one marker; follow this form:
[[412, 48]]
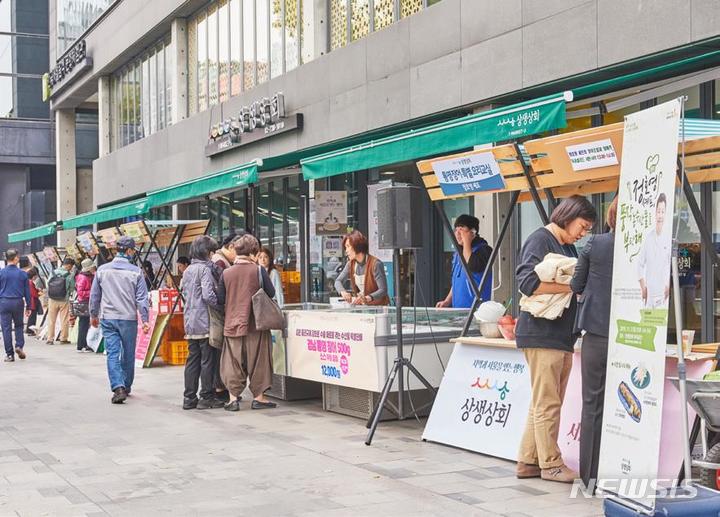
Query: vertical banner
[[630, 443]]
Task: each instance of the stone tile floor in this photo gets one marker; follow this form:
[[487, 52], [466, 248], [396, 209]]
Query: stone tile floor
[[65, 450]]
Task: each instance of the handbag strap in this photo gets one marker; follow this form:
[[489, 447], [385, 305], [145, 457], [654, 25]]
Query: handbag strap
[[260, 278]]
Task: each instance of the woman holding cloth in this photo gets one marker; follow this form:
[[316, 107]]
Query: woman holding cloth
[[593, 283], [548, 344], [365, 289]]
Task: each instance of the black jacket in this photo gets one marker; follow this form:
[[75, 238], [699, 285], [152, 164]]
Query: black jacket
[[593, 282]]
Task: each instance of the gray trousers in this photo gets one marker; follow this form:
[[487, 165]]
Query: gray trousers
[[200, 369], [594, 362]]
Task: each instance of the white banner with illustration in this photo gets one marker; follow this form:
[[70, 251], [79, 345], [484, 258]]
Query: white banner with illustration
[[333, 348], [630, 445]]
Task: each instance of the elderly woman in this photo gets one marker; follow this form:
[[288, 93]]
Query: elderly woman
[[247, 351], [365, 289], [199, 294], [548, 344], [593, 282]]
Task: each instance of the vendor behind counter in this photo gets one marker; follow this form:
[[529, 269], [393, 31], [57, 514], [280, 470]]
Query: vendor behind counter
[[365, 289]]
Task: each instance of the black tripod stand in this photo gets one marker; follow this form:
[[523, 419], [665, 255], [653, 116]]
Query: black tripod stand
[[400, 362]]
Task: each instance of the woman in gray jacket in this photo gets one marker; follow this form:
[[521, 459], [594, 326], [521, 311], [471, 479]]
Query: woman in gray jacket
[[198, 290]]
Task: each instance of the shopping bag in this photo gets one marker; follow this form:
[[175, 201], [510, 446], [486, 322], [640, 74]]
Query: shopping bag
[[94, 338], [73, 333]]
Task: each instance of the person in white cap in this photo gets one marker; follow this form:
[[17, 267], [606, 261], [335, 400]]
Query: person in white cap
[[117, 295], [81, 307]]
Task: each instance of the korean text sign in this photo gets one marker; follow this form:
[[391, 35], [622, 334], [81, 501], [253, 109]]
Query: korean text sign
[[630, 444], [472, 173]]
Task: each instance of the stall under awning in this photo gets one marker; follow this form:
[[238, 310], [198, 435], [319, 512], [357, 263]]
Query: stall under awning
[[506, 123], [229, 179], [132, 208], [33, 233]]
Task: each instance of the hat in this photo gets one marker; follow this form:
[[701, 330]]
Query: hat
[[126, 243], [87, 264], [469, 221]]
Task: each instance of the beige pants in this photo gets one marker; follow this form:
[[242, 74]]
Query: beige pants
[[247, 356], [549, 374], [62, 310]]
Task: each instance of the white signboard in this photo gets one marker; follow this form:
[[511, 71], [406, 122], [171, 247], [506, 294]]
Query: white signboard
[[330, 212], [333, 348], [472, 173], [592, 155], [630, 444], [483, 401]]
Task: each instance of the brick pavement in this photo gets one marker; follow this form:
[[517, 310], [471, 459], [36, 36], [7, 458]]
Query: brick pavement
[[65, 450]]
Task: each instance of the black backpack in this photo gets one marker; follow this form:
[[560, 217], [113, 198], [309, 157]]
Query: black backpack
[[57, 288]]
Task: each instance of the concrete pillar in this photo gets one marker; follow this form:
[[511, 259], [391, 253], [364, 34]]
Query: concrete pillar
[[322, 27], [65, 171], [104, 118], [178, 32]]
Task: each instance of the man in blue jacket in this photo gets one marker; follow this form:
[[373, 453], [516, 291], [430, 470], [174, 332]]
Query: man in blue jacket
[[14, 297], [118, 293]]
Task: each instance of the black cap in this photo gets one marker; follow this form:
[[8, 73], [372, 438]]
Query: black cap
[[469, 221]]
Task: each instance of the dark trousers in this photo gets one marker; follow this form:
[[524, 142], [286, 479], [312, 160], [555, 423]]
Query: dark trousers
[[594, 362], [32, 319], [200, 369], [83, 327], [11, 313]]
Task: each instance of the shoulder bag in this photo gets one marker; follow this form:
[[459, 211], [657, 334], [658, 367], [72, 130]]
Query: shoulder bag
[[267, 313]]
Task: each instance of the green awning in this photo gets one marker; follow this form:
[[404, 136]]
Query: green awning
[[110, 213], [33, 233], [228, 179], [507, 123]]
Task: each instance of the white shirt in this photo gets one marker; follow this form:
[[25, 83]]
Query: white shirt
[[654, 263]]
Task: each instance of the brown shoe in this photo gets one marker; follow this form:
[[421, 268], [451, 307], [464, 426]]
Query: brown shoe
[[20, 353], [561, 474], [526, 470]]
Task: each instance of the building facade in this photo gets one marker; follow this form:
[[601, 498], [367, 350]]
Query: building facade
[[171, 77]]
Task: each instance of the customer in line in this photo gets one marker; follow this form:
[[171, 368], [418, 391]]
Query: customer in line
[[198, 290], [593, 283], [365, 289], [35, 305], [81, 308], [548, 344], [247, 352], [14, 298], [225, 256], [267, 260], [61, 286], [117, 295], [476, 252]]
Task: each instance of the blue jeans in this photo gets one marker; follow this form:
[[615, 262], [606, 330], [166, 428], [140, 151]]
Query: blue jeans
[[120, 337], [11, 311]]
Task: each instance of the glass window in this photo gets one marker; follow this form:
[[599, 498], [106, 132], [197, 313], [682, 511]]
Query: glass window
[[236, 47], [169, 70], [153, 104], [277, 46], [192, 67], [6, 54], [278, 221], [239, 207], [212, 42], [291, 264], [338, 24], [74, 17], [161, 87], [360, 12], [202, 65], [137, 103], [249, 44], [145, 99], [384, 13], [224, 51], [262, 225], [307, 33], [5, 16], [7, 101], [292, 35], [263, 58]]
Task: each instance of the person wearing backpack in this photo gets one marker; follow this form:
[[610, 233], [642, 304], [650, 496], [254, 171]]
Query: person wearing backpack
[[60, 287]]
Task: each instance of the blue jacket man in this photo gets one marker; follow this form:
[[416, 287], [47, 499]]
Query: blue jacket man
[[476, 251], [14, 296], [118, 293]]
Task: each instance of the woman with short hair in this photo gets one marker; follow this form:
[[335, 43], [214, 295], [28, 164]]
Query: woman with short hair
[[198, 290], [365, 289], [247, 351]]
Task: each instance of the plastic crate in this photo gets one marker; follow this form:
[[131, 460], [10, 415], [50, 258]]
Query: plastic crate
[[175, 352]]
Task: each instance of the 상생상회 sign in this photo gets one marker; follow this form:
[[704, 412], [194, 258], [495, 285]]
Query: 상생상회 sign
[[592, 155], [471, 173], [630, 444]]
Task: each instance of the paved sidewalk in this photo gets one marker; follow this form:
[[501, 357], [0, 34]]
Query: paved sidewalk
[[65, 450]]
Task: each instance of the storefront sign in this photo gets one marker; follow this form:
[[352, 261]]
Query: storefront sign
[[630, 444], [69, 66], [591, 155], [333, 348], [260, 120], [473, 173], [483, 401], [330, 212]]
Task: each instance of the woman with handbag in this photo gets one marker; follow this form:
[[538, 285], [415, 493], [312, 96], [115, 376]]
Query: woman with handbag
[[80, 308], [247, 350]]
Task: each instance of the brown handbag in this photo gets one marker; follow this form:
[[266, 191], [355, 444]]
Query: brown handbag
[[267, 313]]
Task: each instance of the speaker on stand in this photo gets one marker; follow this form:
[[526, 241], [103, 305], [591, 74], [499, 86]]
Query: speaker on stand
[[398, 230]]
